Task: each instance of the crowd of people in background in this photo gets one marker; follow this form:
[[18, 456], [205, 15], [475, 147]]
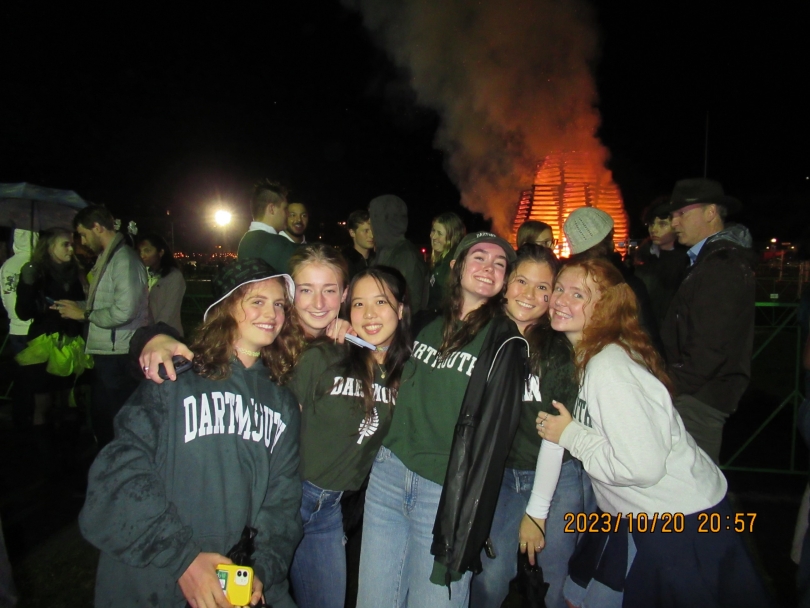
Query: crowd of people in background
[[446, 416]]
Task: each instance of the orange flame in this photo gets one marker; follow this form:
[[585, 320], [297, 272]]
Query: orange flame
[[566, 181]]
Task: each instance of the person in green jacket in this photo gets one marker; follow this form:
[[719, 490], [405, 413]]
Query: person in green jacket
[[263, 240], [446, 232]]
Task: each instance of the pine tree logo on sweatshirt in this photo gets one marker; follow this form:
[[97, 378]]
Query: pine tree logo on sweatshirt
[[369, 426]]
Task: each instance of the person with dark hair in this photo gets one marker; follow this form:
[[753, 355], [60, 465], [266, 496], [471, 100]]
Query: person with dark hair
[[166, 283], [116, 306], [446, 233], [709, 329], [660, 262], [589, 232], [197, 460], [467, 370], [51, 275], [389, 220], [268, 206], [552, 378], [347, 396], [536, 232], [644, 465], [297, 222], [360, 254]]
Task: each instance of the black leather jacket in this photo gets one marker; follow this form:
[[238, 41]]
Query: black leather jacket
[[486, 425]]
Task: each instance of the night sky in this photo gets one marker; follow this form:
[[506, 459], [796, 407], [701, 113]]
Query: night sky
[[154, 110]]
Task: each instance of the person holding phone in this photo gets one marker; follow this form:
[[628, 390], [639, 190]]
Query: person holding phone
[[195, 461], [52, 274]]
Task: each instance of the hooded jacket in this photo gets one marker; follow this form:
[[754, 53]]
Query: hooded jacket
[[486, 426], [10, 276], [192, 463], [389, 220], [708, 332]]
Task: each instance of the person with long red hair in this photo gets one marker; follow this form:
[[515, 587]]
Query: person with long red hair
[[665, 532]]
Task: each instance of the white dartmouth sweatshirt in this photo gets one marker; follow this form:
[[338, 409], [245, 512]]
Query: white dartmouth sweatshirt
[[632, 443]]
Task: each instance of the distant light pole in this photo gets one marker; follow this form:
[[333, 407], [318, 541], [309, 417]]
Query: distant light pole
[[223, 218]]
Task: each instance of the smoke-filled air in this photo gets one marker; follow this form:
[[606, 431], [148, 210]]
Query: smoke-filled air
[[511, 79]]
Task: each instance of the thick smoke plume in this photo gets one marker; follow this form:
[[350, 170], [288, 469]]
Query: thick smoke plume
[[511, 80]]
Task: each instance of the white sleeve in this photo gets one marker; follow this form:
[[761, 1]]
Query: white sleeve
[[546, 476], [632, 445]]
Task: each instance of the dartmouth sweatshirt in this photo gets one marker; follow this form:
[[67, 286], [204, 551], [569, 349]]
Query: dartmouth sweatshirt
[[192, 463]]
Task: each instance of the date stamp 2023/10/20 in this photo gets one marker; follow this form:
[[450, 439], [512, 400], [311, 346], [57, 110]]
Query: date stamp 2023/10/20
[[707, 522]]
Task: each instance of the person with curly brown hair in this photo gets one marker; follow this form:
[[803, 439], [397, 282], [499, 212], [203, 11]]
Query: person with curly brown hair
[[195, 461]]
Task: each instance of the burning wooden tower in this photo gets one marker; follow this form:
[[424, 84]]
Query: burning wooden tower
[[566, 181]]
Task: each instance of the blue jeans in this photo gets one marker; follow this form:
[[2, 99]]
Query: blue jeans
[[318, 571], [573, 495], [395, 559]]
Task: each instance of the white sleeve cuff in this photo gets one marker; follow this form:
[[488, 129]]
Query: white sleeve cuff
[[549, 462]]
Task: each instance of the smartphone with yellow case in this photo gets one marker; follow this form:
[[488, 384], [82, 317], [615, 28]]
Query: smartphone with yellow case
[[237, 583]]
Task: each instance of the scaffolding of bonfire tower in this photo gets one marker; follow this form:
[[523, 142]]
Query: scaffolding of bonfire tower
[[565, 181]]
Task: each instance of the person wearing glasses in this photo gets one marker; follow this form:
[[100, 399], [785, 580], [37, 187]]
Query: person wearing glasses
[[708, 332], [536, 232]]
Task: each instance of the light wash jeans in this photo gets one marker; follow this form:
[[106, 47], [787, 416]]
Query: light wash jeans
[[395, 559], [573, 495], [318, 571]]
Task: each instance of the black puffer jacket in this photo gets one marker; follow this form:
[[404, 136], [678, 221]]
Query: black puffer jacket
[[708, 332], [486, 425]]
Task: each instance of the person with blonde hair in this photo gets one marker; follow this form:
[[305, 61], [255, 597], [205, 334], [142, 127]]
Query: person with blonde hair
[[665, 532], [446, 232], [536, 232]]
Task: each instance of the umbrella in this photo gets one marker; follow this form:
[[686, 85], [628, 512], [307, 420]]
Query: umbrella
[[35, 208]]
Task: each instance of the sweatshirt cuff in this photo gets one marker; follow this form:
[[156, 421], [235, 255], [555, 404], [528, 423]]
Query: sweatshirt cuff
[[570, 434]]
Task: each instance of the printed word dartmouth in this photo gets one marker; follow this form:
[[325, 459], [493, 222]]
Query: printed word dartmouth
[[222, 413]]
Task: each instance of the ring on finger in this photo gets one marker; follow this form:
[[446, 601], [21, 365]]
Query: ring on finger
[[145, 369]]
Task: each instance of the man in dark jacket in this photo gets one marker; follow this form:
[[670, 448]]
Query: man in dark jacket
[[708, 332], [389, 221]]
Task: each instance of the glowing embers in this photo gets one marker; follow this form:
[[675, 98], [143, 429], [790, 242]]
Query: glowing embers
[[566, 181]]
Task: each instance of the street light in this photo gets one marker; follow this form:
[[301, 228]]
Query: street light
[[223, 218]]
